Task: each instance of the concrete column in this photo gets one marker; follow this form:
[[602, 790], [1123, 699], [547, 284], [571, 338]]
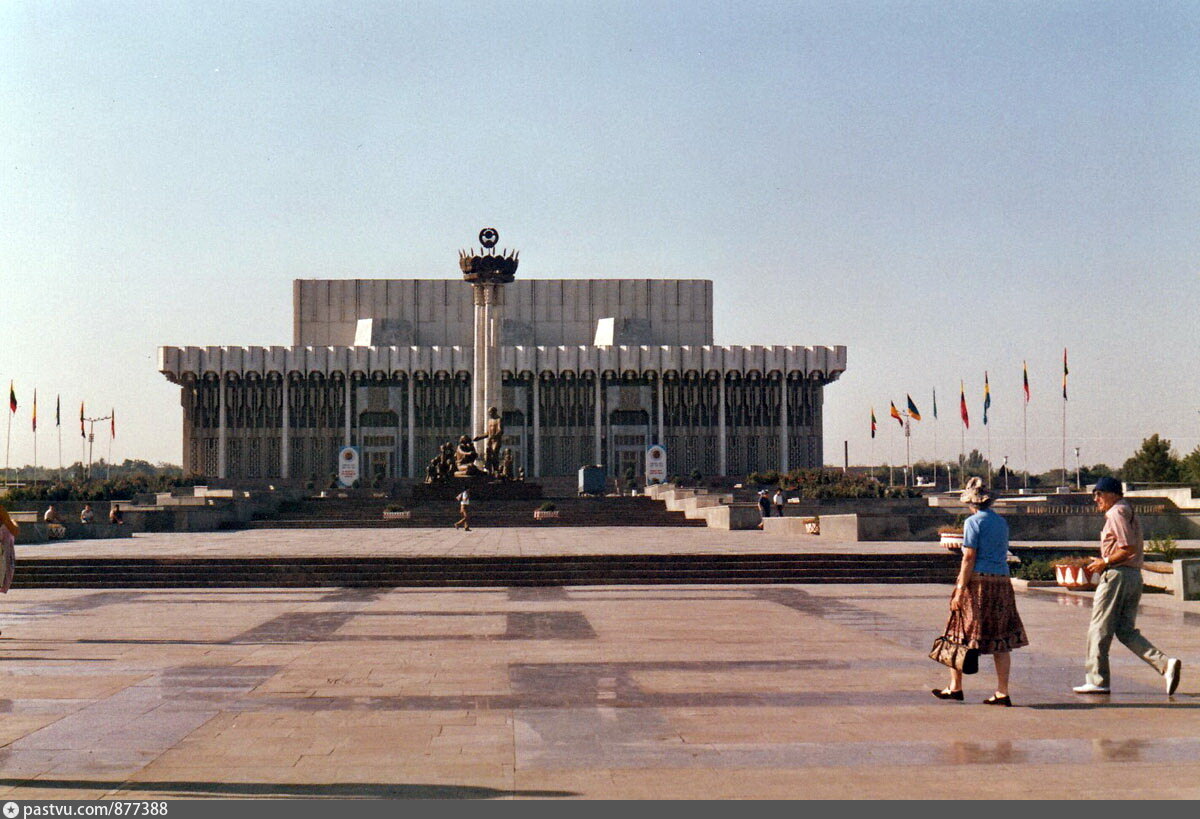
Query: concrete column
[[412, 427], [723, 438], [537, 425], [485, 375], [783, 424], [222, 427], [599, 401], [349, 382], [285, 438], [662, 382]]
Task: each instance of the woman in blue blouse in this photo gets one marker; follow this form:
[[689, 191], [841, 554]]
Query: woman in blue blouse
[[983, 596]]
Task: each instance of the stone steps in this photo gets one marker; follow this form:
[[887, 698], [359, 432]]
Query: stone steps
[[341, 513], [474, 571]]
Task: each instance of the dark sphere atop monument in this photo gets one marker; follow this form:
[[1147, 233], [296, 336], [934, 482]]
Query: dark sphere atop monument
[[486, 266]]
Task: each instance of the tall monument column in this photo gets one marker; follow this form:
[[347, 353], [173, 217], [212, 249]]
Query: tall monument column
[[487, 272], [485, 379]]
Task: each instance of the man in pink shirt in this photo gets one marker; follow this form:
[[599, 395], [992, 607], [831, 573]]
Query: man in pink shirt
[[1115, 605]]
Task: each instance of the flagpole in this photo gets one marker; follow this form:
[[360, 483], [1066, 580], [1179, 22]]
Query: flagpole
[[907, 448], [1064, 442], [1025, 432], [962, 455], [7, 446], [989, 460], [1064, 419]]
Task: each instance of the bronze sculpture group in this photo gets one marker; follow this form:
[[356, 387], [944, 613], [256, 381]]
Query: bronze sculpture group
[[462, 461]]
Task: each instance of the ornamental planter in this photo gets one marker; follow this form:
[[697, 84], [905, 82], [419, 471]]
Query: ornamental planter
[[405, 515], [953, 541], [1075, 577], [545, 514]]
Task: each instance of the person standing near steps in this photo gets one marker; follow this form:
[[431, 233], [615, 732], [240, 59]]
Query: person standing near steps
[[1115, 603], [464, 506]]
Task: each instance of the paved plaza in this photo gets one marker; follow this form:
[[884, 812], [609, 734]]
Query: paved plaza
[[479, 542], [663, 691]]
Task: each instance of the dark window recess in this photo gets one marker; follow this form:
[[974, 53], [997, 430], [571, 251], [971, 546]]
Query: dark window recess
[[379, 419], [630, 418]]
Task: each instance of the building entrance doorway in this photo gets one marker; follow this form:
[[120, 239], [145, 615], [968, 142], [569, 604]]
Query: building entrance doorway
[[379, 466]]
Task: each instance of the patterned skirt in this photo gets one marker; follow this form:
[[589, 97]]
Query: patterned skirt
[[988, 620]]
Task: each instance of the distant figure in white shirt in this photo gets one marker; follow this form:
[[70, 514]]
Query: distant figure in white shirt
[[464, 506]]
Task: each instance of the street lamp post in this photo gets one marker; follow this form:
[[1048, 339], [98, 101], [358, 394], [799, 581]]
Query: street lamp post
[[1078, 485], [1005, 473]]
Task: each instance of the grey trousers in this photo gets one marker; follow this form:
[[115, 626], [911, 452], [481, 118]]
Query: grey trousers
[[1114, 614]]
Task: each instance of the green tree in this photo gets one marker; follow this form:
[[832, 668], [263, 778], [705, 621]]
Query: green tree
[[1189, 467], [1152, 463]]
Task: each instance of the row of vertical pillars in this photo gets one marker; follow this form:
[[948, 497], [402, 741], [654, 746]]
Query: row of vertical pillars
[[285, 453]]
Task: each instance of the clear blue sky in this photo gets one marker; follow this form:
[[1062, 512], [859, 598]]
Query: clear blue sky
[[943, 188]]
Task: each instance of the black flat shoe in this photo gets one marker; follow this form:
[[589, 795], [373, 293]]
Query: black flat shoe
[[944, 694], [993, 700]]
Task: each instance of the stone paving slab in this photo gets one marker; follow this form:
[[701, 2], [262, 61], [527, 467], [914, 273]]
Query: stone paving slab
[[504, 541], [580, 692]]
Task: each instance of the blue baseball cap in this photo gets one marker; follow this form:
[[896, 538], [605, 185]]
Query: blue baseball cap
[[1107, 484]]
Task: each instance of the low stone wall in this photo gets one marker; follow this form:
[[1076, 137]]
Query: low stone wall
[[733, 516], [791, 525]]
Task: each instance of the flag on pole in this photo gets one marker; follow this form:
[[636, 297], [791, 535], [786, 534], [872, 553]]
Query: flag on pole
[[872, 422], [987, 397], [82, 434], [1025, 379], [12, 398], [935, 403], [35, 410], [913, 412], [113, 425], [58, 410], [1064, 373], [895, 413], [962, 405]]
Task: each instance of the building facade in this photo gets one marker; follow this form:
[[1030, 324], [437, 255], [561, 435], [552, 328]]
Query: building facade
[[385, 365]]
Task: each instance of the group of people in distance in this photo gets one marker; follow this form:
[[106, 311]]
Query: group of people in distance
[[86, 515], [983, 608], [766, 502]]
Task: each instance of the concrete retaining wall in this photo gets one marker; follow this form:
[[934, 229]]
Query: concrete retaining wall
[[733, 516]]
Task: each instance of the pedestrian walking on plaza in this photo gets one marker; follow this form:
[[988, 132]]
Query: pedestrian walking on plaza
[[464, 506], [983, 608], [1115, 604], [8, 553], [764, 506], [778, 502]]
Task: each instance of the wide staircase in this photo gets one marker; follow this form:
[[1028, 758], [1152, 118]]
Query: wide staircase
[[357, 513], [562, 570]]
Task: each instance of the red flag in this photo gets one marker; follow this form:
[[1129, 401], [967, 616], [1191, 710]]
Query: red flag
[[895, 413], [1025, 379], [12, 398], [82, 433], [113, 428], [962, 405], [35, 410]]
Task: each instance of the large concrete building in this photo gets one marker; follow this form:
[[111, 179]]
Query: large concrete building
[[592, 371]]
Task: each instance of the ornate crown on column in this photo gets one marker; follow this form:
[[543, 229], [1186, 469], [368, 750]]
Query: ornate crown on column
[[487, 266]]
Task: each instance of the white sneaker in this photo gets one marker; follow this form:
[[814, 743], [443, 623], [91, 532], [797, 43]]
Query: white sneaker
[[1088, 688], [1174, 667]]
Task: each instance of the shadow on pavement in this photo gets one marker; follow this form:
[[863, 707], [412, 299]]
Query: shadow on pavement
[[331, 790]]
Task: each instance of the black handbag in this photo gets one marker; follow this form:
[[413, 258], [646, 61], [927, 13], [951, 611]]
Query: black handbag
[[952, 654]]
